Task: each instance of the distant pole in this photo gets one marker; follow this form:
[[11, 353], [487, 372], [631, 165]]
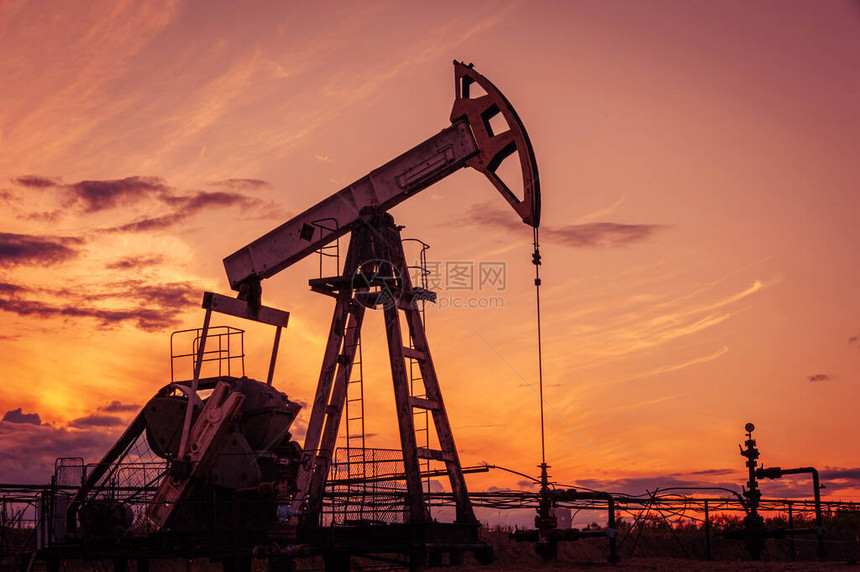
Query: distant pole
[[707, 532], [791, 525]]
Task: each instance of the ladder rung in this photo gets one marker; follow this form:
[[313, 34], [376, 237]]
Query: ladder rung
[[423, 403], [425, 453], [413, 353]]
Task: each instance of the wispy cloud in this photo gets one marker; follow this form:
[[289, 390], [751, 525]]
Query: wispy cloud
[[94, 196], [148, 224], [819, 377], [661, 322], [144, 193], [135, 262], [646, 403], [144, 318], [96, 420], [118, 407], [42, 216], [601, 213], [98, 195], [597, 234], [28, 249], [242, 184], [8, 289], [201, 200], [35, 181], [585, 235], [80, 52], [149, 307], [685, 364], [655, 316]]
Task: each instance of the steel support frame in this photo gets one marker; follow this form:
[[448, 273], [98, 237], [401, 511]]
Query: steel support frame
[[376, 239]]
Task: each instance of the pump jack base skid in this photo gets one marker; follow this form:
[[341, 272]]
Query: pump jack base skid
[[421, 542]]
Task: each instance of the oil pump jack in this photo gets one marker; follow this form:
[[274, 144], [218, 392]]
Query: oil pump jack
[[376, 274], [277, 480]]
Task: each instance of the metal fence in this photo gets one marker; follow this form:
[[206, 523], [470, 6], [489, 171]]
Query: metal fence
[[366, 488]]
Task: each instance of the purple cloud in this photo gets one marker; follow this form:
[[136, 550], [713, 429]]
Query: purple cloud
[[10, 289], [117, 407], [96, 420], [146, 319], [42, 216], [29, 451], [200, 200], [587, 235], [184, 207], [148, 224], [94, 196], [241, 184], [35, 181], [158, 305], [135, 262], [599, 234], [18, 416], [27, 249]]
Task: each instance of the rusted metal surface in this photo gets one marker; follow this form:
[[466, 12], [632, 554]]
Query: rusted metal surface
[[203, 442], [386, 186], [496, 147], [242, 309]]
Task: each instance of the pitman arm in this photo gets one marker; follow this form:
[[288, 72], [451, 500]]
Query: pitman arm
[[468, 142]]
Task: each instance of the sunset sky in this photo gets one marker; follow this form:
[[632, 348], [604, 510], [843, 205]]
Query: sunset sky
[[699, 168]]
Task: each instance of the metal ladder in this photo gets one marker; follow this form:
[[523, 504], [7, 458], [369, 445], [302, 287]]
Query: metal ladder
[[356, 450], [420, 417]]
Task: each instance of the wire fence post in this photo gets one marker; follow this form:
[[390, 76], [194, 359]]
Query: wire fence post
[[791, 538], [707, 532]]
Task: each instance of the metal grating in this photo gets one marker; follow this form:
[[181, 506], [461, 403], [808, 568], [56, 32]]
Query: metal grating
[[377, 496]]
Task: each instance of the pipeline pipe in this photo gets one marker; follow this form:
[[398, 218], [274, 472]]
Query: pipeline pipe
[[819, 520], [779, 472], [612, 532], [571, 495]]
